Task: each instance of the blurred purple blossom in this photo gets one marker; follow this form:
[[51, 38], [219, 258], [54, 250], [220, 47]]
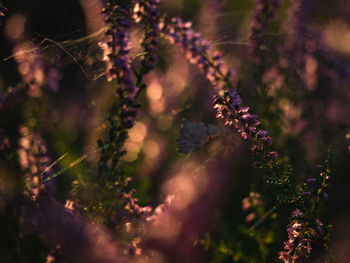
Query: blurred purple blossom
[[31, 66], [264, 14], [53, 74], [34, 160]]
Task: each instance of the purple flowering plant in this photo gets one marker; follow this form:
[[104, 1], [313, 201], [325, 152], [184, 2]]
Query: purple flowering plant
[[249, 188]]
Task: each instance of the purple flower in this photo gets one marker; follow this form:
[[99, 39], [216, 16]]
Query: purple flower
[[53, 74], [311, 180], [147, 10], [294, 230], [118, 62], [289, 246], [273, 155], [230, 108], [298, 246], [325, 196], [297, 213], [285, 256], [320, 226], [306, 193], [3, 11]]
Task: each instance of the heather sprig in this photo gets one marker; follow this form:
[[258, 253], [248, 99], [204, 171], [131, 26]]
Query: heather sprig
[[306, 227], [298, 246], [198, 51], [116, 45], [114, 203], [118, 66], [116, 53], [229, 106]]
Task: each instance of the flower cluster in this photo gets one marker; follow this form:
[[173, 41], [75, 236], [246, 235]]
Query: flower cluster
[[304, 229], [147, 10], [319, 193], [135, 210], [115, 45], [264, 12], [116, 55], [132, 227], [34, 159], [229, 107], [300, 234], [198, 51], [133, 206]]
